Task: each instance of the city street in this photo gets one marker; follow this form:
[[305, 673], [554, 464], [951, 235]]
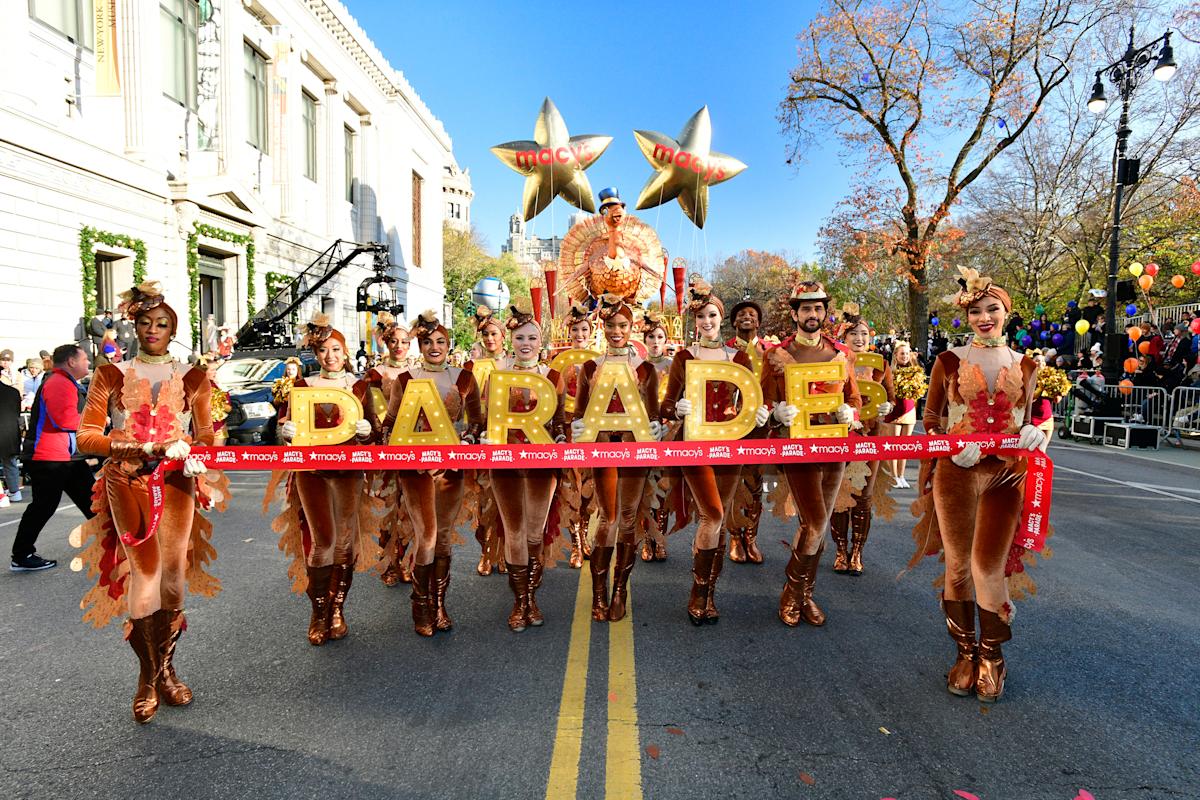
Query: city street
[[1101, 692]]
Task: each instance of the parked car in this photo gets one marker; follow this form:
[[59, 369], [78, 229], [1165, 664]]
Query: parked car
[[248, 377]]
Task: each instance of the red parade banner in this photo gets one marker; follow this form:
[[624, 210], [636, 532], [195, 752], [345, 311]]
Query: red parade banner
[[1038, 480]]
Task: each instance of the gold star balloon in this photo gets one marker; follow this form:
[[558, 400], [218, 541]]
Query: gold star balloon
[[685, 168], [553, 163]]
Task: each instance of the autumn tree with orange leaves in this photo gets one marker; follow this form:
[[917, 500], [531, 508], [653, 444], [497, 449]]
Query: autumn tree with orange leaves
[[924, 96]]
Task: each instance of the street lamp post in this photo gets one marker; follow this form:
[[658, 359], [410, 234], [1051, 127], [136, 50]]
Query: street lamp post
[[1125, 73]]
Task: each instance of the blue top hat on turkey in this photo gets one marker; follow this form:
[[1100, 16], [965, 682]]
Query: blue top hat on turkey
[[610, 197]]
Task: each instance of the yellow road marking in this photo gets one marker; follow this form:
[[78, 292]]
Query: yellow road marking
[[568, 737], [623, 762]]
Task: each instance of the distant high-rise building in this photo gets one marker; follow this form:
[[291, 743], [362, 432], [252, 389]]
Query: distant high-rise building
[[531, 251], [456, 189]]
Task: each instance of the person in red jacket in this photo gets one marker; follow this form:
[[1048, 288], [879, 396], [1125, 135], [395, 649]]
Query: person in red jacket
[[53, 460]]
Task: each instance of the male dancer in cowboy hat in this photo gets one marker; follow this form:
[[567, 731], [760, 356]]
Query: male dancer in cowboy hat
[[747, 318], [813, 486]]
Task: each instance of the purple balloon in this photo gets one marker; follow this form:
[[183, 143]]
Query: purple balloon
[[957, 322], [1044, 335], [1057, 339], [1035, 324]]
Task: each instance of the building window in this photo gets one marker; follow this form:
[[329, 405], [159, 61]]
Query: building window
[[349, 155], [309, 113], [179, 19], [256, 97], [417, 185], [71, 18]]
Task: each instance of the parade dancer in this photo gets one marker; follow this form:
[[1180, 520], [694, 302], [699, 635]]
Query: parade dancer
[[329, 520], [490, 332], [855, 333], [712, 488], [157, 408], [982, 387], [433, 497], [813, 486], [394, 339], [618, 490], [281, 389], [582, 335], [525, 496], [743, 539], [903, 417], [654, 335]]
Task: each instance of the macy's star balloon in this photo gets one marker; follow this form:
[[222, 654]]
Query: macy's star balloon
[[553, 163], [685, 168]]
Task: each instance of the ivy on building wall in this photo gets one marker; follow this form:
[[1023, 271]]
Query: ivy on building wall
[[274, 281], [88, 238], [193, 270]]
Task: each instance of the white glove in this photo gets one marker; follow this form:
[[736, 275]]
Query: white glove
[[362, 429], [483, 439], [560, 439], [287, 430], [683, 407], [761, 415], [177, 451], [844, 414], [968, 456], [657, 430], [1031, 438], [193, 466], [576, 429], [467, 438], [785, 413], [885, 408]]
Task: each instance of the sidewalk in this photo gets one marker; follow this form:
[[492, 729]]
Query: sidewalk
[[1186, 456]]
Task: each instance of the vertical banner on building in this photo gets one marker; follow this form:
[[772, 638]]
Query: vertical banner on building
[[108, 80]]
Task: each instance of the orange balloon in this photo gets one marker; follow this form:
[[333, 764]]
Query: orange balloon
[[1125, 386], [1144, 348], [1135, 333], [1177, 281], [1145, 282], [1131, 365]]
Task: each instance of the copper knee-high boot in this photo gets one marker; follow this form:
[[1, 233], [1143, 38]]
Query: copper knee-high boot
[[484, 567], [441, 582], [518, 581], [339, 588], [737, 545], [960, 623], [422, 599], [536, 568], [601, 556], [169, 625], [702, 568], [711, 615], [318, 595], [993, 632], [397, 572], [145, 646], [796, 603], [750, 535], [860, 523], [626, 555], [839, 527], [580, 551], [648, 548], [660, 546]]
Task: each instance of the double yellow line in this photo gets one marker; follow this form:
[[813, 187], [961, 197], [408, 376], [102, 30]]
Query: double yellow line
[[623, 757]]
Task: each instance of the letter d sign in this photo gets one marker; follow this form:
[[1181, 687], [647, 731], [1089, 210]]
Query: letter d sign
[[301, 403]]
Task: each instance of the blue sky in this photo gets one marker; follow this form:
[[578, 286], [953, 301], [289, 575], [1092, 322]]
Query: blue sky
[[484, 68]]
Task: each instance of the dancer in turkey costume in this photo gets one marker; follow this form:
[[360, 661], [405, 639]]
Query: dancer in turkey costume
[[490, 332]]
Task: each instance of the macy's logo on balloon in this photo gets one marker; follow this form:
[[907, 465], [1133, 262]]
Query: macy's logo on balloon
[[579, 153], [686, 160]]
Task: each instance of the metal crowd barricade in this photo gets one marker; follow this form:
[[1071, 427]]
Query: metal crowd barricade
[[1185, 410], [1149, 403]]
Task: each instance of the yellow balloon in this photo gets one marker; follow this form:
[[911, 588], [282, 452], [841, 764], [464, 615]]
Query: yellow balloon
[[301, 405], [697, 375], [1135, 269], [1082, 326], [797, 378]]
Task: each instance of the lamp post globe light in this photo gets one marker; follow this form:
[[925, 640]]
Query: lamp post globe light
[[1125, 74]]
